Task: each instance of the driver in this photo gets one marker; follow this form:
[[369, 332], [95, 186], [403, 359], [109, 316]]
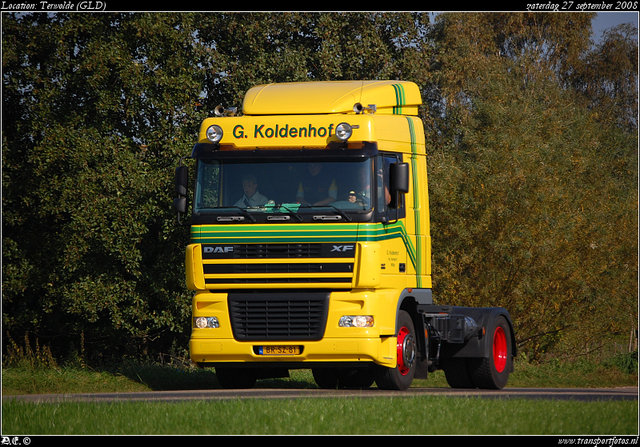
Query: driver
[[358, 198], [251, 197]]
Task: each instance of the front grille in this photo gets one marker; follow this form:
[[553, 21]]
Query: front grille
[[267, 251], [278, 268], [313, 280], [278, 316], [277, 251], [304, 264]]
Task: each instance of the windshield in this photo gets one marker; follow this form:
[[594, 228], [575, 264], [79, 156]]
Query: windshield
[[233, 189]]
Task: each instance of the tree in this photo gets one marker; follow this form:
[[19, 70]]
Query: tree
[[533, 204], [607, 77], [532, 152], [98, 108]]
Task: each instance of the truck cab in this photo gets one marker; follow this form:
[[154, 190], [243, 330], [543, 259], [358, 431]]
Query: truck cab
[[310, 244]]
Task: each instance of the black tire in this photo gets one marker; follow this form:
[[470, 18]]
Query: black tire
[[326, 378], [493, 372], [400, 377], [338, 378], [236, 378], [456, 371], [359, 378]]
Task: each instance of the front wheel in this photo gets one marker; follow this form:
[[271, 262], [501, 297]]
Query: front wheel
[[334, 378], [400, 377], [236, 378]]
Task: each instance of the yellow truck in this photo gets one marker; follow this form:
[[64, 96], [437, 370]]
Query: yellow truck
[[310, 245]]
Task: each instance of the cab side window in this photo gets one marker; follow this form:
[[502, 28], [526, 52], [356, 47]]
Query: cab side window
[[390, 205]]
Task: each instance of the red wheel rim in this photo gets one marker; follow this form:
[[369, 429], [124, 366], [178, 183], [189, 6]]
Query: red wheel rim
[[499, 349], [406, 351]]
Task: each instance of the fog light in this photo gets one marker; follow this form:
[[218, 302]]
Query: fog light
[[356, 321], [214, 133], [206, 322], [343, 131]]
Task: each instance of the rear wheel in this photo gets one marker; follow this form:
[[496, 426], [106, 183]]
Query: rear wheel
[[491, 372], [400, 377], [457, 373]]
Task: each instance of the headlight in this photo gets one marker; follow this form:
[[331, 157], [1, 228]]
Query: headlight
[[356, 321], [206, 322], [214, 133], [343, 131]]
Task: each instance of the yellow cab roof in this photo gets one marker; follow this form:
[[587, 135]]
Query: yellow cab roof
[[324, 97]]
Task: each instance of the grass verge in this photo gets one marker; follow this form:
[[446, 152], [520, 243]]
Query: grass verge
[[435, 415], [367, 416], [28, 379]]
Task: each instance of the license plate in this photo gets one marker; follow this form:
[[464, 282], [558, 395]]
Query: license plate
[[279, 350]]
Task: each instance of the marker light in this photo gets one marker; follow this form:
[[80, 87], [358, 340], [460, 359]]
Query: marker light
[[214, 133], [206, 322], [343, 131], [356, 321]]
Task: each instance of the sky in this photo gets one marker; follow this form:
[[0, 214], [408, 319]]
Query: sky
[[605, 20]]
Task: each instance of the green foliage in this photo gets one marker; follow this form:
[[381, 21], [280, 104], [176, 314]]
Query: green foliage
[[95, 129], [626, 363], [97, 110], [533, 196], [532, 154]]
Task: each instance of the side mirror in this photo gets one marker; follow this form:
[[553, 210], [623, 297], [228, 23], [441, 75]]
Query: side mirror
[[399, 176], [180, 205], [182, 180]]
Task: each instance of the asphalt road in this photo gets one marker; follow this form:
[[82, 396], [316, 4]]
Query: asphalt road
[[579, 394]]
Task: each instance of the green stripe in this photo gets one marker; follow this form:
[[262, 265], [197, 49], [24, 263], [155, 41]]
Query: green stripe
[[400, 99], [214, 234], [416, 201], [380, 232], [261, 234]]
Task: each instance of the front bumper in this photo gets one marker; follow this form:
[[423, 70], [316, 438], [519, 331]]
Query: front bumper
[[329, 350], [335, 344]]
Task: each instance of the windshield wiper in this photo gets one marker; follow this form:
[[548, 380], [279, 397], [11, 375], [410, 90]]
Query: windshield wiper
[[244, 213], [342, 213], [292, 212], [273, 208]]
